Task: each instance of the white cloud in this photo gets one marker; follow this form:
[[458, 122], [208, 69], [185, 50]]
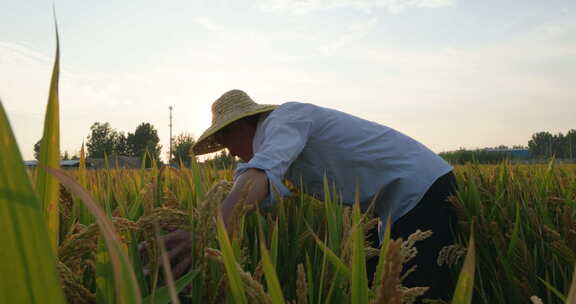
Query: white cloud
[[307, 6], [354, 33], [22, 53], [209, 24]]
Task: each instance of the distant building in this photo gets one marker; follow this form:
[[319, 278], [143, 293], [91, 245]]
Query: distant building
[[30, 163], [95, 163], [116, 162], [514, 153], [65, 164]]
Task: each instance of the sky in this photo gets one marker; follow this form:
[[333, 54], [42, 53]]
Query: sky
[[449, 73]]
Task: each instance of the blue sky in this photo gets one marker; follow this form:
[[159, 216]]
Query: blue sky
[[449, 73]]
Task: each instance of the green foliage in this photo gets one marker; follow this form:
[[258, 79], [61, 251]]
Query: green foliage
[[523, 217], [181, 146], [465, 284], [222, 160], [27, 261], [145, 139], [546, 145], [234, 281], [104, 140], [359, 280], [37, 149], [482, 156], [162, 295]]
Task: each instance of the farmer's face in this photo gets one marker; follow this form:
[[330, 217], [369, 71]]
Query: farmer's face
[[237, 138]]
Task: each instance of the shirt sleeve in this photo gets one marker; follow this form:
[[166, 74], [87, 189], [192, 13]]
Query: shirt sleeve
[[283, 138]]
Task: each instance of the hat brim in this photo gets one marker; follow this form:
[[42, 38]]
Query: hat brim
[[207, 143]]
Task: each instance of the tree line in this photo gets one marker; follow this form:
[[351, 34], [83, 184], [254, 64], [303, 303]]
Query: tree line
[[106, 141], [542, 145], [546, 145], [103, 140]]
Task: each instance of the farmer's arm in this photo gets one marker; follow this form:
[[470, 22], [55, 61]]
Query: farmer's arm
[[251, 187]]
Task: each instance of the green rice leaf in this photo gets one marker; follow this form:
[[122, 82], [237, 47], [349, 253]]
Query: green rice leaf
[[382, 256], [47, 186], [270, 272], [555, 291], [26, 253], [465, 285], [234, 281], [514, 238], [332, 257], [309, 279], [137, 263], [84, 216], [162, 295], [105, 292], [197, 179], [359, 278], [274, 244], [572, 292]]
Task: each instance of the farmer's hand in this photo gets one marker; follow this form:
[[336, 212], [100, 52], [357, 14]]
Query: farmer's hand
[[226, 212], [251, 187], [178, 246]]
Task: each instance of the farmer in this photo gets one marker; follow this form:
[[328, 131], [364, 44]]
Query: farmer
[[304, 143]]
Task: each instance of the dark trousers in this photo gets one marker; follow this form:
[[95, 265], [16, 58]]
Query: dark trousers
[[435, 213]]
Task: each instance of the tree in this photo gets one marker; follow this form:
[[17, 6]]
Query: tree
[[145, 138], [37, 149], [181, 146], [571, 142], [559, 145], [541, 144], [101, 141], [121, 146]]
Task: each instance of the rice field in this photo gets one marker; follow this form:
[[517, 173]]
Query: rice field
[[73, 236]]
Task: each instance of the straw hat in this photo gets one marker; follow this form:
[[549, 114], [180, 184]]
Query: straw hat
[[230, 107]]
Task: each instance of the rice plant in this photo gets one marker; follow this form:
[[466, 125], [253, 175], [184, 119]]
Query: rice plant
[[79, 241]]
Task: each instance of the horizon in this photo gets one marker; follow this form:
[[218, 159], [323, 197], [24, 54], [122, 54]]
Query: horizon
[[451, 74]]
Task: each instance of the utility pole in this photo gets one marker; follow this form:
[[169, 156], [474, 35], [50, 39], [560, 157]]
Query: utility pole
[[170, 125]]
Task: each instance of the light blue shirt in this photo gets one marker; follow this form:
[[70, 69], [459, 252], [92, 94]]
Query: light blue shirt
[[305, 142]]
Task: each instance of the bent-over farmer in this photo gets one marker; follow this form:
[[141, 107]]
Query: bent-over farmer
[[303, 143]]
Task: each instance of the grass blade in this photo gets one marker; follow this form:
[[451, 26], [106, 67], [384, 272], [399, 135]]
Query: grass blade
[[572, 292], [382, 256], [359, 277], [331, 256], [197, 179], [104, 275], [26, 253], [162, 295], [47, 186], [465, 285], [274, 244], [514, 238], [234, 281], [270, 271], [555, 291], [84, 215]]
